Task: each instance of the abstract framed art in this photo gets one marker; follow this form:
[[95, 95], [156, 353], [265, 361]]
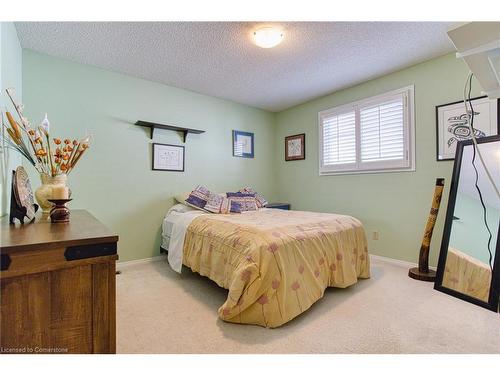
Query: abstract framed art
[[243, 144], [168, 157], [295, 147], [452, 126]]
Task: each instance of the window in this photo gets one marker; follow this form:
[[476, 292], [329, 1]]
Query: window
[[372, 135]]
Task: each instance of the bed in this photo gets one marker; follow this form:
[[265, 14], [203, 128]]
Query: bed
[[274, 263], [467, 275]]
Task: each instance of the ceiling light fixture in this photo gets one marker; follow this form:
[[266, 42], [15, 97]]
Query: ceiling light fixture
[[268, 37]]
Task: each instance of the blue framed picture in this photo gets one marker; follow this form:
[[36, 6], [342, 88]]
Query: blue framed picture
[[242, 144]]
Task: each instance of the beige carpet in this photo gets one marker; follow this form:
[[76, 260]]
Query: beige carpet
[[159, 311]]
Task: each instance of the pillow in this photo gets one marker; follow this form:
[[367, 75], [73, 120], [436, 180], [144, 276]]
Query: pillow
[[247, 201], [198, 197], [220, 204], [181, 198], [214, 203], [261, 201], [234, 206], [181, 208], [247, 189], [195, 207]]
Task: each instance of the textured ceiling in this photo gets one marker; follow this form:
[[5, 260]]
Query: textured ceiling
[[219, 58]]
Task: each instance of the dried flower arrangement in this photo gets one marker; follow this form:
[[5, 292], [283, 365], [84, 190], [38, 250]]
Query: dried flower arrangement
[[35, 145]]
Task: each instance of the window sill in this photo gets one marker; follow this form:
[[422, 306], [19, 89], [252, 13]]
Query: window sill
[[368, 171]]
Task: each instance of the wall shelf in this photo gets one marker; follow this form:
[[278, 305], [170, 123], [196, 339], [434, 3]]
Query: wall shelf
[[153, 126]]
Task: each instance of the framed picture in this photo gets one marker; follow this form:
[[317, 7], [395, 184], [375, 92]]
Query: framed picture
[[168, 157], [242, 144], [452, 126], [295, 147]]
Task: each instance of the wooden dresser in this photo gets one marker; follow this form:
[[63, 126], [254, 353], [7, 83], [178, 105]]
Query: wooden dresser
[[58, 286]]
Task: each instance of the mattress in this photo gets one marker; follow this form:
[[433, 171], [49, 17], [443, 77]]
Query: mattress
[[173, 217], [274, 263]]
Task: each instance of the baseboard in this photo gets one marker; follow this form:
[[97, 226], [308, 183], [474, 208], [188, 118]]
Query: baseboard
[[139, 261], [396, 262]]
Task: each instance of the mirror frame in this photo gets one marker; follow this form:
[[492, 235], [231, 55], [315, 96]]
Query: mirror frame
[[493, 298]]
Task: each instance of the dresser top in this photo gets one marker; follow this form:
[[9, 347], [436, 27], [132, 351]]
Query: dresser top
[[82, 229]]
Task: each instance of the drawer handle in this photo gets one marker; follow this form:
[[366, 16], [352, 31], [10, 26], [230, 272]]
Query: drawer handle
[[90, 251], [4, 262]]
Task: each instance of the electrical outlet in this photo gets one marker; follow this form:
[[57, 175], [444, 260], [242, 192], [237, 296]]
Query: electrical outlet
[[375, 235]]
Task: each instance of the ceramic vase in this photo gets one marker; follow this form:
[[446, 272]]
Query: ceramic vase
[[44, 191]]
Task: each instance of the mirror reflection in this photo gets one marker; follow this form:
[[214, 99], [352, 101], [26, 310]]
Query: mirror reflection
[[475, 224]]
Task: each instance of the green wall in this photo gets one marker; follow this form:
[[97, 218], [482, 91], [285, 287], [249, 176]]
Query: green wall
[[395, 204], [114, 180], [10, 76]]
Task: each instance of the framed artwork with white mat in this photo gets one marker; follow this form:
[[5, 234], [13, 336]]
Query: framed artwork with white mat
[[243, 144], [168, 157], [295, 147]]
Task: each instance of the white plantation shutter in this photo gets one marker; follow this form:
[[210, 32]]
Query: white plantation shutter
[[339, 139], [382, 131], [375, 134]]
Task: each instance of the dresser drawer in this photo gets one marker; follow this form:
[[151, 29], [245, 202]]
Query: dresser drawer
[[29, 262]]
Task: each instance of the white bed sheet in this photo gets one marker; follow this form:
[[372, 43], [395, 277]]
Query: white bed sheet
[[174, 229]]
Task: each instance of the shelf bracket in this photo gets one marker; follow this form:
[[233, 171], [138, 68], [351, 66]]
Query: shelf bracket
[[152, 132]]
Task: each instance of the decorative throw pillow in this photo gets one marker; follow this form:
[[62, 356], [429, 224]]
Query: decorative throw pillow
[[231, 206], [220, 204], [247, 201], [198, 197], [214, 203], [261, 201], [247, 189]]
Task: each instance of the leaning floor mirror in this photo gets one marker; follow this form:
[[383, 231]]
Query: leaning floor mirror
[[469, 261]]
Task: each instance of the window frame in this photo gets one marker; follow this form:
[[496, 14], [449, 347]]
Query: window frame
[[383, 166]]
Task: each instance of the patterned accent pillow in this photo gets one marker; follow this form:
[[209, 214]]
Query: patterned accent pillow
[[198, 197], [247, 189], [214, 203], [220, 204], [261, 201], [232, 206], [247, 201]]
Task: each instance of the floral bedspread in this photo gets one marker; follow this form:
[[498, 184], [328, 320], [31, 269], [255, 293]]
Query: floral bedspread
[[467, 275], [276, 263]]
